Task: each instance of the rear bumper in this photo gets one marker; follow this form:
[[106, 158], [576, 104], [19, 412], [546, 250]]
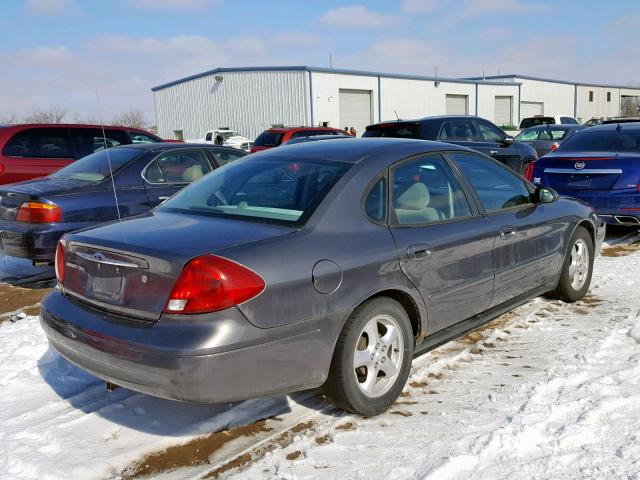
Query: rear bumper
[[33, 241], [615, 207], [209, 358]]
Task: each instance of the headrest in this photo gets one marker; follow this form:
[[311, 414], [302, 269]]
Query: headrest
[[416, 197]]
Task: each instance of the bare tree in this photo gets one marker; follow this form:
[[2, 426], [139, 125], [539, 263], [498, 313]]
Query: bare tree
[[630, 106], [53, 115], [86, 120], [131, 118], [9, 119]]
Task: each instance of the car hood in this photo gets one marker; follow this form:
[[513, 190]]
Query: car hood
[[236, 139]]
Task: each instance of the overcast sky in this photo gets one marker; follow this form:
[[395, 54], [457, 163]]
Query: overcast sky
[[58, 53]]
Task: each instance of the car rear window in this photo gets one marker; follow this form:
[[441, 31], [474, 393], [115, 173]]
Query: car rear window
[[394, 130], [590, 141], [551, 134], [532, 122], [97, 166], [268, 139], [278, 189]]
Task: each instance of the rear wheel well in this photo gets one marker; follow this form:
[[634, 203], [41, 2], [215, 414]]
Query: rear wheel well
[[407, 303]]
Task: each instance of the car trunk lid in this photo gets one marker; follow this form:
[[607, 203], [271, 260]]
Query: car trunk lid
[[131, 267], [590, 171]]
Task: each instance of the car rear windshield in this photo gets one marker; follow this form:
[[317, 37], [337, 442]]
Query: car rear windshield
[[268, 139], [532, 122], [394, 130], [278, 189], [97, 166], [589, 141], [551, 134]]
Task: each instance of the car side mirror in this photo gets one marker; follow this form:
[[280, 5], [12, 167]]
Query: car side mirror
[[508, 140], [546, 195]]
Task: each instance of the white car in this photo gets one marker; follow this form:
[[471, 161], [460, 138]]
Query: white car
[[226, 137], [547, 120]]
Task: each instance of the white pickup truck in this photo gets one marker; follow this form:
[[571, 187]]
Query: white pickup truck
[[226, 137]]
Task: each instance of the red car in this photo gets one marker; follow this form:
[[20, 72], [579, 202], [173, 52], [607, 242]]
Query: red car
[[35, 150], [274, 137]]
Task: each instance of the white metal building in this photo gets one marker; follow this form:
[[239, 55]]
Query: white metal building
[[249, 100], [542, 96]]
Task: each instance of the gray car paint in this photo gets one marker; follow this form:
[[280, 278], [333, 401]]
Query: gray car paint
[[283, 339]]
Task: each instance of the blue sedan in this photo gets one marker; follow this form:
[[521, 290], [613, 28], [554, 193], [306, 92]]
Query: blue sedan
[[600, 165], [35, 214]]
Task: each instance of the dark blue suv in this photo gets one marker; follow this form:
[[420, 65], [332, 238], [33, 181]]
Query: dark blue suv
[[469, 131]]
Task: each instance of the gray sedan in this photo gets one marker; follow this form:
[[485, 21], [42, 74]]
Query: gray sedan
[[322, 264], [547, 138]]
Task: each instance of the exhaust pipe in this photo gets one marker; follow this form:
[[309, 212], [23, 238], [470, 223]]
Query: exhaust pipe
[[626, 220]]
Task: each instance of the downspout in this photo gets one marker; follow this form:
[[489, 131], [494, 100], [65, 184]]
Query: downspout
[[575, 101], [379, 101], [476, 99], [519, 102], [311, 124]]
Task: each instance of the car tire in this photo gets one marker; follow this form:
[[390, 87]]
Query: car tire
[[577, 268], [381, 331]]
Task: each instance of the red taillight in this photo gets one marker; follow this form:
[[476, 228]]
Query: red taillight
[[210, 283], [36, 212], [60, 262], [528, 173], [554, 146]]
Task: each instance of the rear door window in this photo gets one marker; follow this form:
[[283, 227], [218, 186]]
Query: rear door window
[[89, 140], [40, 143], [184, 166], [375, 205], [460, 131], [425, 191], [139, 137], [268, 139]]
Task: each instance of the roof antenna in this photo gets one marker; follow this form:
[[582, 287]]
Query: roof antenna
[[618, 128], [106, 148], [396, 115]]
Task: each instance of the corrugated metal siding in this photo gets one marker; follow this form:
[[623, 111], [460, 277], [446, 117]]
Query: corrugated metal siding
[[556, 97], [420, 98], [487, 100], [247, 102], [599, 107], [326, 95]]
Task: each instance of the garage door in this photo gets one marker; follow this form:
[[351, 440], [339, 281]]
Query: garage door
[[530, 109], [502, 112], [457, 105], [355, 109]]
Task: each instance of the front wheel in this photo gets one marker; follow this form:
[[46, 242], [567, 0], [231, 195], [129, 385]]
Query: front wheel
[[577, 268], [372, 358]]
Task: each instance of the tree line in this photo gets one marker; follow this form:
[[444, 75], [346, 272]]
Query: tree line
[[129, 118]]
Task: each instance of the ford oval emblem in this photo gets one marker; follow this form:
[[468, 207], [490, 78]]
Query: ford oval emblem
[[580, 165]]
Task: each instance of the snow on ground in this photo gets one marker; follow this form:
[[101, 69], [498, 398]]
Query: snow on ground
[[554, 393], [550, 391]]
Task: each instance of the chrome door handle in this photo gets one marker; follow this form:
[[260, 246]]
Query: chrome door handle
[[507, 232], [418, 251], [493, 153], [163, 198]]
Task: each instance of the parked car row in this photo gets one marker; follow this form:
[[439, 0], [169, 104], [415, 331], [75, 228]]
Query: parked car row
[[325, 262]]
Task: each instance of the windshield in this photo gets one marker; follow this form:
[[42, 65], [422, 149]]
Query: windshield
[[95, 167], [228, 135], [277, 189], [398, 130], [268, 139], [589, 141]]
